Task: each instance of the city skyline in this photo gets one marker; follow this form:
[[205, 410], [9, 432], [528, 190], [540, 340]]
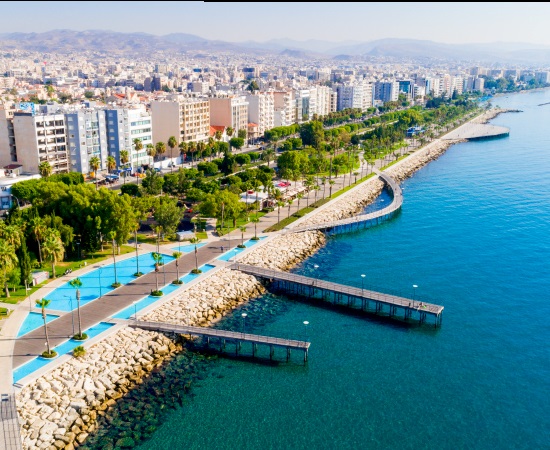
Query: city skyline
[[239, 22]]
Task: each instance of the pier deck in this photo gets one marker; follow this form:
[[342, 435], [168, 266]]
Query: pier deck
[[10, 433], [361, 220], [473, 131], [224, 335], [307, 286]]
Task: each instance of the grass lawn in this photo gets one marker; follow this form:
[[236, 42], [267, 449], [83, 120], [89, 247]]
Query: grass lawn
[[241, 221], [302, 212]]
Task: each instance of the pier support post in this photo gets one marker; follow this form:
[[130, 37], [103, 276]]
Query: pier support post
[[271, 351]]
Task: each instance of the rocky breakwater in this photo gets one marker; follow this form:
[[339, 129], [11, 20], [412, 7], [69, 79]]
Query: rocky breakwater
[[60, 409], [208, 300], [286, 250], [212, 298]]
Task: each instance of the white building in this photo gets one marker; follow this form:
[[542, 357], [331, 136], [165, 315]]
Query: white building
[[261, 110], [229, 111], [285, 108]]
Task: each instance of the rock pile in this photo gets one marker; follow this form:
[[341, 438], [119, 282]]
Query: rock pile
[[61, 408]]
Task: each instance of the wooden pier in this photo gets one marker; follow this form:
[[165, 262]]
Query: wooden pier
[[362, 220], [223, 337], [352, 297], [10, 432]]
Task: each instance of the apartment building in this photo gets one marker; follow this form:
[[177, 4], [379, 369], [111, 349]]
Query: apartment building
[[231, 111], [285, 109], [8, 151], [87, 138], [124, 125], [185, 118], [261, 110], [386, 91], [41, 137], [350, 96]]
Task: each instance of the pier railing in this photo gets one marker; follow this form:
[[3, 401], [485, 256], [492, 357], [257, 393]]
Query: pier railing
[[360, 220], [308, 287]]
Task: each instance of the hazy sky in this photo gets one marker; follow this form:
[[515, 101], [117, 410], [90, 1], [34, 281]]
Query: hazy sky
[[441, 22]]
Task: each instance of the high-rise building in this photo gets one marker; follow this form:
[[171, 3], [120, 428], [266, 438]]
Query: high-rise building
[[386, 91], [229, 111], [41, 137], [8, 151], [124, 126], [261, 110], [285, 108], [185, 118], [86, 138]]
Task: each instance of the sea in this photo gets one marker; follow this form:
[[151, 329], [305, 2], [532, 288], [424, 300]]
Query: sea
[[473, 236]]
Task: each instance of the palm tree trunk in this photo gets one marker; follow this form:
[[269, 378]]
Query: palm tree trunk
[[46, 332], [78, 312], [53, 269], [39, 251]]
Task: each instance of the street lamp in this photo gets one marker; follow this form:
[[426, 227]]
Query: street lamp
[[306, 323], [72, 312], [99, 272], [414, 292], [363, 284], [243, 315], [135, 309]]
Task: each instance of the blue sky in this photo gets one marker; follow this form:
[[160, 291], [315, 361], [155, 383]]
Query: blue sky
[[441, 22]]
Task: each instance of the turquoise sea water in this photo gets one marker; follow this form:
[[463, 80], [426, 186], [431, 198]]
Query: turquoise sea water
[[474, 236]]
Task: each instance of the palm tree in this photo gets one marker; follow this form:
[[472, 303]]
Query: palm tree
[[125, 158], [157, 257], [152, 152], [95, 164], [255, 221], [160, 148], [324, 183], [289, 203], [38, 228], [77, 284], [355, 175], [8, 260], [172, 143], [138, 144], [183, 151], [243, 229], [195, 241], [268, 155], [192, 147], [280, 204], [177, 256], [218, 135], [43, 304], [53, 248], [45, 169], [111, 163], [330, 182]]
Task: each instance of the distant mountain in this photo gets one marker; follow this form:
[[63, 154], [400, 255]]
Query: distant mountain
[[130, 44], [419, 49], [61, 41]]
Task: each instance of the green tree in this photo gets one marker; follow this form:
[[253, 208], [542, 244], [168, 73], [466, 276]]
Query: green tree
[[242, 159], [8, 260], [125, 159], [153, 182], [43, 304], [312, 133], [172, 143], [236, 142], [242, 134], [45, 169], [168, 215], [152, 152], [111, 163], [255, 220], [77, 284], [25, 264], [95, 164], [177, 256], [53, 248], [160, 147], [195, 241], [183, 151], [243, 229], [89, 94], [157, 257]]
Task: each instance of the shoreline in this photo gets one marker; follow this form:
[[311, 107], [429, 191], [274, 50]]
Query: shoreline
[[55, 410]]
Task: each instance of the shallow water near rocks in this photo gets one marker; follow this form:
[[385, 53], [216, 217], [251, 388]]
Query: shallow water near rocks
[[473, 235]]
